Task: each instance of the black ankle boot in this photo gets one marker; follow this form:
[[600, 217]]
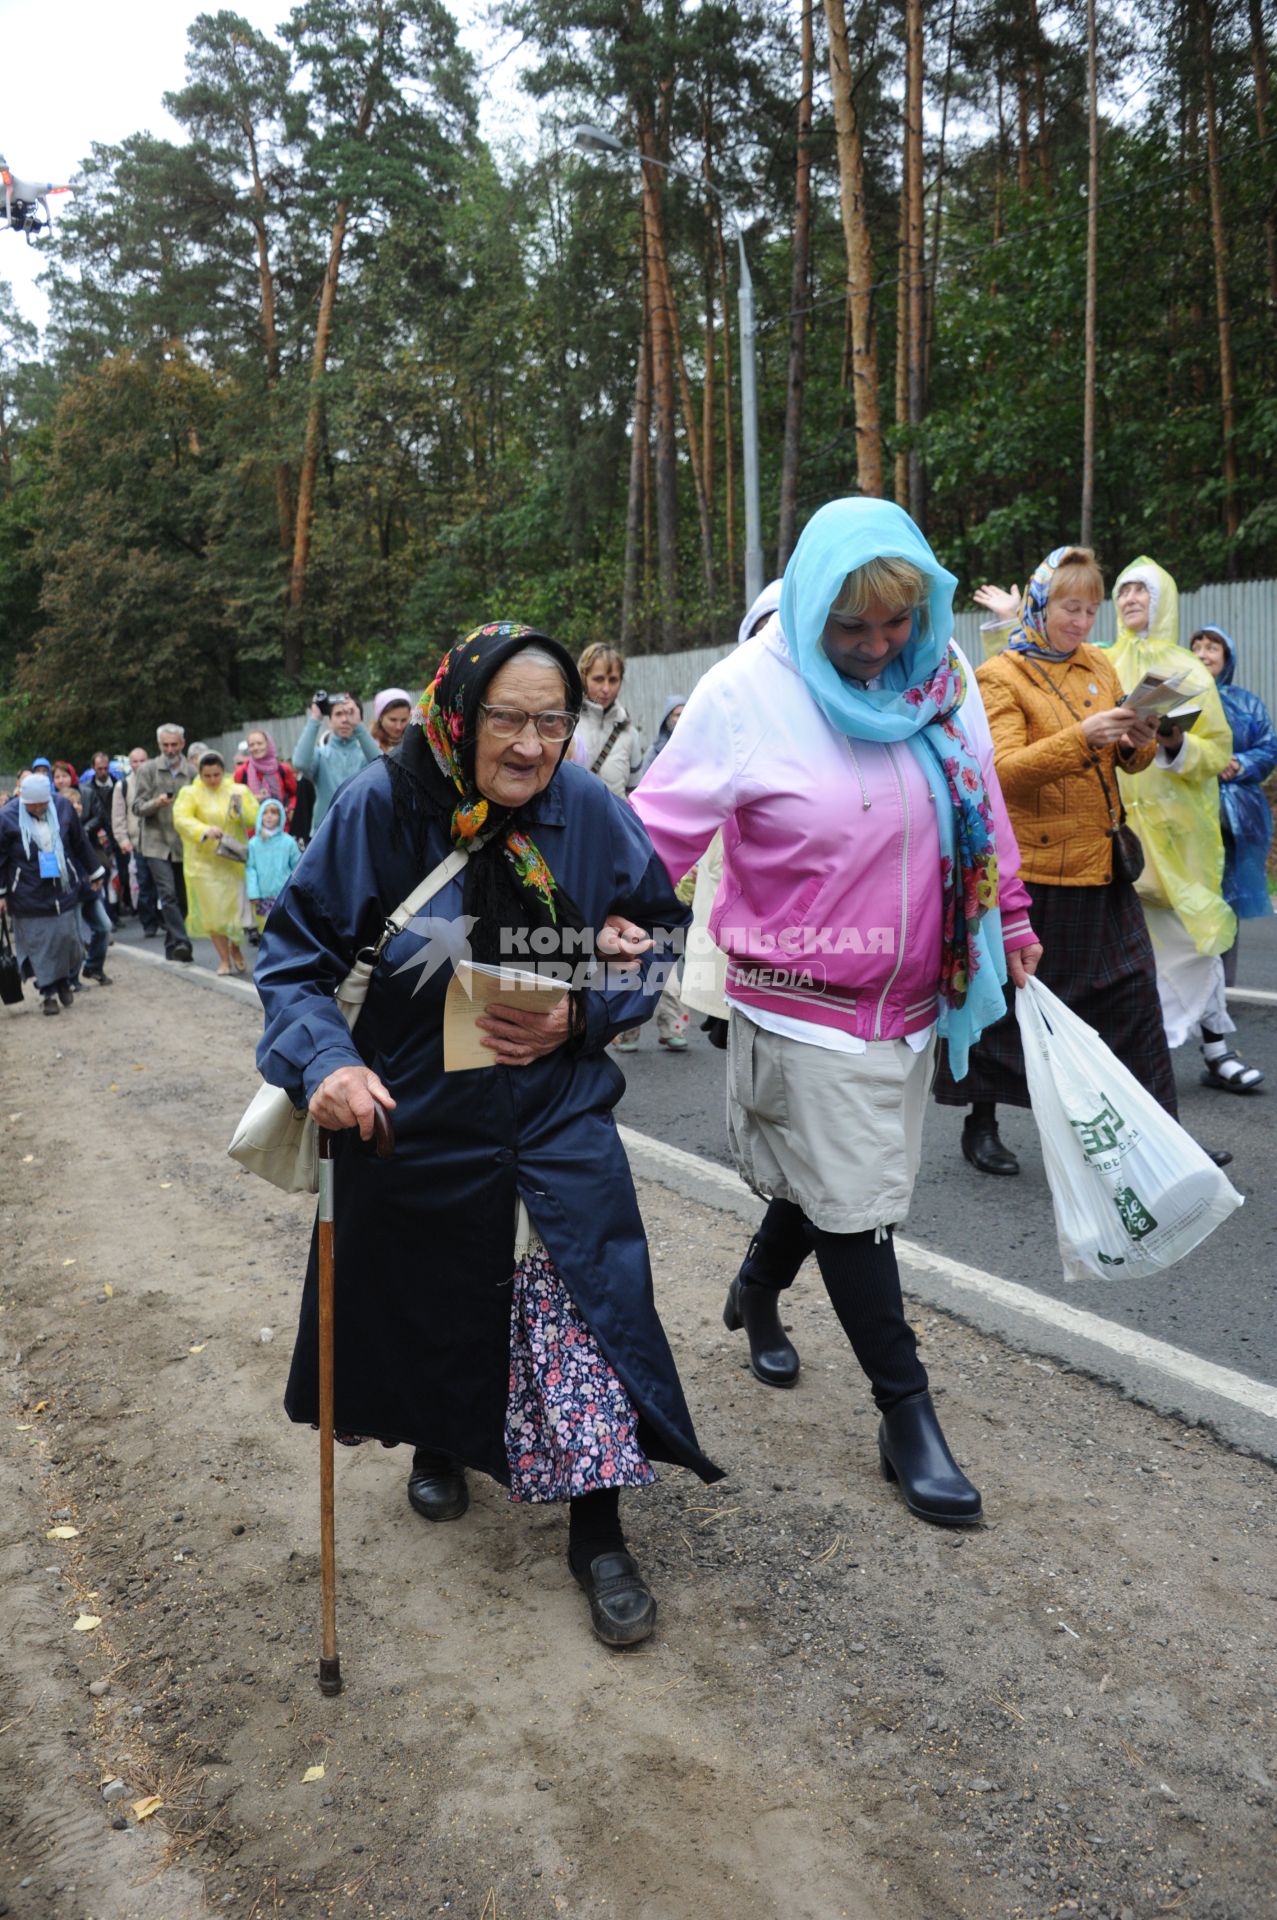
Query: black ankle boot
[[773, 1358], [982, 1145], [912, 1450], [437, 1486]]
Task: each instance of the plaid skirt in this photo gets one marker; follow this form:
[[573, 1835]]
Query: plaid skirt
[[1096, 954]]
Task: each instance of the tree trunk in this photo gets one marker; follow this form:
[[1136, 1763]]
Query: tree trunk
[[1039, 97], [708, 382], [635, 502], [1219, 247], [915, 248], [799, 285], [859, 247], [689, 425], [664, 405], [1092, 239], [937, 218], [314, 416], [1023, 149], [1259, 60], [270, 338], [900, 465]]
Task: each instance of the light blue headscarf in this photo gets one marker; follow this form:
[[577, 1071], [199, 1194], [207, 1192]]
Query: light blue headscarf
[[915, 703], [45, 833]]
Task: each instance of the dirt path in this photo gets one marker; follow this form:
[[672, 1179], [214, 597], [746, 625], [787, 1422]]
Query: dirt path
[[843, 1712]]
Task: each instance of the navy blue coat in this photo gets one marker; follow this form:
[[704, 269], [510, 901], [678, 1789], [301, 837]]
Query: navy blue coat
[[424, 1242], [20, 881]]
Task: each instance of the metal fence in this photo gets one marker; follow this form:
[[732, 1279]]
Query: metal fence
[[1246, 610]]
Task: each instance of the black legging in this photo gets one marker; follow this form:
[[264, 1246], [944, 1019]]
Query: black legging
[[863, 1283]]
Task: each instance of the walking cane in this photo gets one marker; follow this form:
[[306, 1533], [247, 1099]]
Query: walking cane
[[329, 1658]]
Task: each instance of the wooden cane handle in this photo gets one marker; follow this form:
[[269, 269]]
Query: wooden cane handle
[[383, 1131]]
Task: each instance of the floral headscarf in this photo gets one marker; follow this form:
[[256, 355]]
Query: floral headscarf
[[263, 776], [448, 717], [1029, 634]]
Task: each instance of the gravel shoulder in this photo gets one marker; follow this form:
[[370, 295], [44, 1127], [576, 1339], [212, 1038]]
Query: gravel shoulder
[[842, 1713]]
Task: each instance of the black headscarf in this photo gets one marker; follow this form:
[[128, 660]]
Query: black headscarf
[[509, 888]]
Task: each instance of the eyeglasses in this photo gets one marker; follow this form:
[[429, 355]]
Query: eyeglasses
[[507, 723]]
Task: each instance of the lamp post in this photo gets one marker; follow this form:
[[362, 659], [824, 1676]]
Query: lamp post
[[595, 140]]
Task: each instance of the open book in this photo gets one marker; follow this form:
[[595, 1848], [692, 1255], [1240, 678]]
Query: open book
[[472, 989]]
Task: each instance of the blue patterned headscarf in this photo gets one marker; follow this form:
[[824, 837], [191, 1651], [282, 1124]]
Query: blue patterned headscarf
[[1029, 635], [916, 702]]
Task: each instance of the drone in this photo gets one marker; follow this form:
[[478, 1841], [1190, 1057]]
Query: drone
[[22, 198]]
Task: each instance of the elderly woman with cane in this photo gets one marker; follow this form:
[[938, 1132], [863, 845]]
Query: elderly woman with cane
[[869, 902], [494, 1304]]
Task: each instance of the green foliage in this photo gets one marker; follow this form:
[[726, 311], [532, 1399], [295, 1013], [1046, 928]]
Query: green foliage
[[477, 403]]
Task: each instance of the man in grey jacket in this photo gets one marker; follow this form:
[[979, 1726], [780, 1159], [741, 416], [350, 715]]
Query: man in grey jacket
[[155, 786], [128, 837]]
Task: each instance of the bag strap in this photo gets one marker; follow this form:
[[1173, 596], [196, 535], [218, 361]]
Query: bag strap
[[425, 890], [1116, 814], [607, 746]]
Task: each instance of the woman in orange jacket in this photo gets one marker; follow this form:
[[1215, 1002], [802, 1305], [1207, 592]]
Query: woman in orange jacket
[[1060, 731]]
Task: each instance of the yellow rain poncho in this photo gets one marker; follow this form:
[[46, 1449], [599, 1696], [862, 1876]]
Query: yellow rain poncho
[[213, 883], [1175, 811]]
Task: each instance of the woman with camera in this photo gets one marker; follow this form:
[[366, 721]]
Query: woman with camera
[[1060, 733], [333, 759]]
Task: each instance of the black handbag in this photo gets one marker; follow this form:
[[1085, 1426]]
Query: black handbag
[[10, 971]]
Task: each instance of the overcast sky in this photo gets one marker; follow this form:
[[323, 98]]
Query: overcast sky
[[98, 70]]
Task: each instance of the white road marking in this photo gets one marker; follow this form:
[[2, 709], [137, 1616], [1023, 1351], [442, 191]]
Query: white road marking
[[1252, 996], [1174, 1362], [193, 973]]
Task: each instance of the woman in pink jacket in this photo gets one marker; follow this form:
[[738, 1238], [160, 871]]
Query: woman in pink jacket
[[869, 903]]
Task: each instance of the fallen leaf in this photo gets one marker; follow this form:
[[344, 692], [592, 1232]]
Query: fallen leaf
[[108, 1289], [143, 1809], [87, 1622], [63, 1533], [68, 1263], [39, 1406], [27, 1159], [165, 1185], [199, 1349], [28, 1428], [137, 1068], [114, 1087], [312, 1773], [15, 1116]]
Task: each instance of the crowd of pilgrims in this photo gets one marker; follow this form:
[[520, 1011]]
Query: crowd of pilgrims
[[844, 768]]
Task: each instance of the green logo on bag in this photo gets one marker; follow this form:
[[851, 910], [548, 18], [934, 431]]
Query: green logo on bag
[[1099, 1136], [1136, 1218]]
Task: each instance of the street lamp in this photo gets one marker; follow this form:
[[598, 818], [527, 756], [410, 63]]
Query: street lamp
[[589, 139]]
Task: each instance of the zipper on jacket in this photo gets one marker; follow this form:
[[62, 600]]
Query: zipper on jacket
[[904, 892]]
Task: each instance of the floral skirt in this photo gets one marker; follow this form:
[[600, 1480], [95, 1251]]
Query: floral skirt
[[570, 1428]]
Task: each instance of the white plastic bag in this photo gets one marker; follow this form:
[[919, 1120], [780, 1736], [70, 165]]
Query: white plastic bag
[[1133, 1192]]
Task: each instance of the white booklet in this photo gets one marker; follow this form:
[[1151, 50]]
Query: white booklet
[[1157, 693], [475, 987]]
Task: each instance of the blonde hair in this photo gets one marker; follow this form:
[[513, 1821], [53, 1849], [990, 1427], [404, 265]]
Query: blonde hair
[[599, 654], [1078, 572], [884, 581]]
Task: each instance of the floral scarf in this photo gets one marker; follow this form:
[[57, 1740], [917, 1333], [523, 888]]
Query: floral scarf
[[263, 776], [1029, 633], [448, 713]]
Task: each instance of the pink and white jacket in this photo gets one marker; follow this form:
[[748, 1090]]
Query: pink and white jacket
[[830, 904]]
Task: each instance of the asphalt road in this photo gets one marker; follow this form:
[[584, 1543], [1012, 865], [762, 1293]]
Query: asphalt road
[[1220, 1303]]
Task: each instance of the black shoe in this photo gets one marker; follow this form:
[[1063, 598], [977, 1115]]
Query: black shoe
[[152, 933], [912, 1450], [184, 954], [254, 937], [96, 973], [773, 1358], [1220, 1155], [717, 1031], [622, 1610], [66, 993], [437, 1486], [982, 1146], [50, 1003]]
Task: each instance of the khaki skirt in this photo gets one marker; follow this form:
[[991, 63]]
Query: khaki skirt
[[839, 1134]]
